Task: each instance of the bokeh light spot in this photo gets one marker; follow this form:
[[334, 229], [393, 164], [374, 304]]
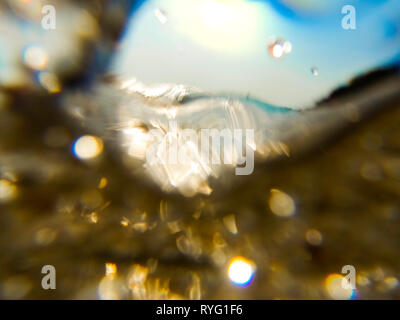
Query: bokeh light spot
[[87, 147], [241, 271], [8, 191], [335, 288], [281, 204], [35, 57]]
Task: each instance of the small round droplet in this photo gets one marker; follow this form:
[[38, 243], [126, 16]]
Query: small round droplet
[[161, 16], [276, 50], [314, 71], [279, 48], [287, 47]]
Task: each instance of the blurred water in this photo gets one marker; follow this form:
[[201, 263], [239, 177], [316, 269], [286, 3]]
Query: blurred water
[[72, 196], [222, 46]]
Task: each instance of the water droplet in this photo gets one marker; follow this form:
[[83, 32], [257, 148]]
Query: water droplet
[[161, 16], [287, 47], [278, 48]]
